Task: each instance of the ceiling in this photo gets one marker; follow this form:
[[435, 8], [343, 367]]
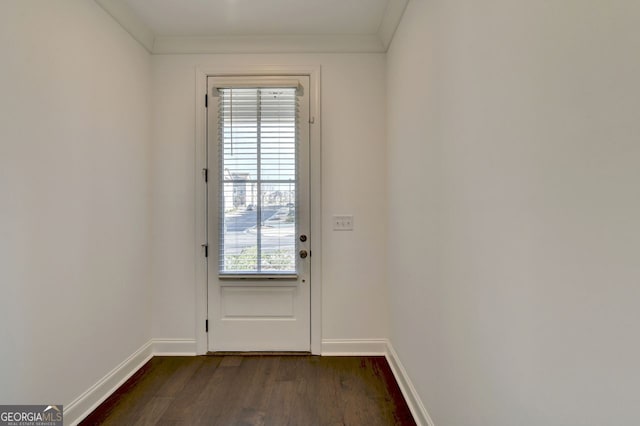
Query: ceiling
[[257, 26]]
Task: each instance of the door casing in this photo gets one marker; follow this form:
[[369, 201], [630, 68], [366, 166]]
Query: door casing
[[200, 161]]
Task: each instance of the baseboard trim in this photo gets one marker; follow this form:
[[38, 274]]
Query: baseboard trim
[[83, 405], [420, 414], [174, 347], [382, 347], [354, 347]]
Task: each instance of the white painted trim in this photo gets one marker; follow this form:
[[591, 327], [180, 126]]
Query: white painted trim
[[391, 20], [315, 179], [382, 347], [122, 14], [322, 43], [89, 400], [200, 229], [174, 347], [270, 44], [202, 72], [420, 414], [354, 347]]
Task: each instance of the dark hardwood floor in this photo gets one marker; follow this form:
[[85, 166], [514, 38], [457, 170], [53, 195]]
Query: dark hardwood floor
[[257, 390]]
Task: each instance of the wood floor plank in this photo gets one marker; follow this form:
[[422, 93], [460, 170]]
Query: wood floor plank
[[231, 361], [183, 409], [256, 397], [244, 373], [219, 393], [258, 390], [182, 375], [132, 396], [153, 411]]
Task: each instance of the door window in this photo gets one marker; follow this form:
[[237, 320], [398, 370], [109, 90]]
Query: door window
[[257, 131]]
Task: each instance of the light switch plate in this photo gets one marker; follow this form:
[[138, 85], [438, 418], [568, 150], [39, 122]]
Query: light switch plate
[[343, 222]]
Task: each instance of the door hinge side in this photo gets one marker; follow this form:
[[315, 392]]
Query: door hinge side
[[206, 326], [206, 250], [205, 174], [206, 100]]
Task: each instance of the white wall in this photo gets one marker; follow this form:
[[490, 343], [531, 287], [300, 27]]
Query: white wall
[[353, 181], [514, 170], [74, 207]]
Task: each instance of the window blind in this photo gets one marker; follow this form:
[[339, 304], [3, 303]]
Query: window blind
[[257, 144]]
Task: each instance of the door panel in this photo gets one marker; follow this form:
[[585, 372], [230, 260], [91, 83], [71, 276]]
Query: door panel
[[256, 302], [258, 208]]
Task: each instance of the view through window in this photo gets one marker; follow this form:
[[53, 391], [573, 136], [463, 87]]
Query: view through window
[[257, 153]]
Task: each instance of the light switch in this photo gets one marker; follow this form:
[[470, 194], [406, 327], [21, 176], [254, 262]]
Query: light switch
[[343, 223]]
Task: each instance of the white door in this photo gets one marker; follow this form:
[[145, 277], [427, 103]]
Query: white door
[[258, 214]]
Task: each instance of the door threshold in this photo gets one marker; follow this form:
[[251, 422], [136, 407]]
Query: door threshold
[[259, 353]]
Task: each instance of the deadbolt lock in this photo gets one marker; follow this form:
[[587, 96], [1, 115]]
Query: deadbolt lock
[[303, 238]]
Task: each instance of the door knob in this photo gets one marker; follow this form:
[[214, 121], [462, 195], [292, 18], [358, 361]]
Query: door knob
[[303, 254]]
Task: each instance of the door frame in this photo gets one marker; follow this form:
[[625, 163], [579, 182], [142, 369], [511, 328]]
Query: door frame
[[200, 163]]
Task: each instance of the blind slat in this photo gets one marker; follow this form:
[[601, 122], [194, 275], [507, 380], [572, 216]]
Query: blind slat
[[257, 153]]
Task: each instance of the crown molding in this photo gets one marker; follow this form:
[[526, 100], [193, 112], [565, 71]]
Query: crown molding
[[391, 20], [123, 15], [348, 43], [269, 44]]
